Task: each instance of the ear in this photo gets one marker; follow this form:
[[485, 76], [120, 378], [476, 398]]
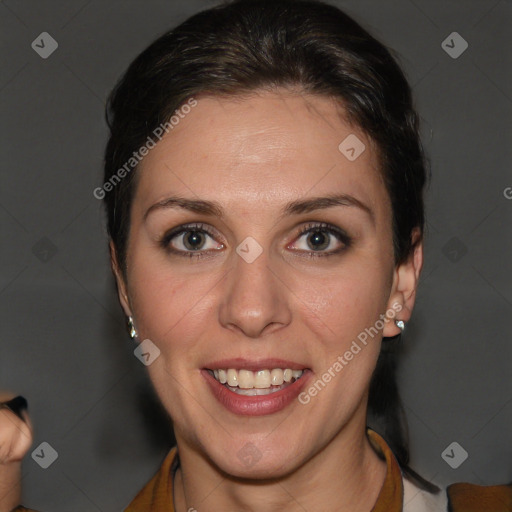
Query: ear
[[121, 284], [405, 282]]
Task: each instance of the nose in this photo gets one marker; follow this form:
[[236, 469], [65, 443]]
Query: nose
[[255, 300]]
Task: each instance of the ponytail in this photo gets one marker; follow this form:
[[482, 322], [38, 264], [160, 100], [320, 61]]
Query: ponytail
[[386, 414]]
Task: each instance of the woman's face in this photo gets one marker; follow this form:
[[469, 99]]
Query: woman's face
[[291, 260]]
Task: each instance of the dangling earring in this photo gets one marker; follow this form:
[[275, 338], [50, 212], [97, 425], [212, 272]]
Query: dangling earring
[[401, 325], [131, 326]]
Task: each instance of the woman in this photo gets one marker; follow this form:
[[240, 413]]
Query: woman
[[264, 190]]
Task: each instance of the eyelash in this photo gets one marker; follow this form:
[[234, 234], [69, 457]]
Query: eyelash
[[188, 228], [203, 228]]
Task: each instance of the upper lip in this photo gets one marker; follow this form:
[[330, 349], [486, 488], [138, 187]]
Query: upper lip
[[239, 363]]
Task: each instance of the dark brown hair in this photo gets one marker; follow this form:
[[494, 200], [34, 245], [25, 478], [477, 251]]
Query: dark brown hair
[[247, 45]]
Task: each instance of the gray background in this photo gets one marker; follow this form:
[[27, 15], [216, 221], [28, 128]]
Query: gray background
[[63, 341]]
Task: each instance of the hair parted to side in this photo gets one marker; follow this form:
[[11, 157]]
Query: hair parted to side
[[243, 46]]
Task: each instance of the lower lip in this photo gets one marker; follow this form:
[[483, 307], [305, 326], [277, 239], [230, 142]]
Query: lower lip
[[255, 405]]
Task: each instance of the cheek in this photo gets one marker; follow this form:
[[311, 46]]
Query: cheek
[[172, 309], [341, 311], [342, 316], [344, 303], [169, 306]]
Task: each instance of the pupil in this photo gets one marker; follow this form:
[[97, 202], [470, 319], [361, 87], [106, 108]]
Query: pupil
[[192, 240], [318, 240]]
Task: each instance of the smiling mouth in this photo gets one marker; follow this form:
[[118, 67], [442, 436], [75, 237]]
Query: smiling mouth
[[261, 382]]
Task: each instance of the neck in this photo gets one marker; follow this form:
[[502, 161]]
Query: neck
[[345, 475]]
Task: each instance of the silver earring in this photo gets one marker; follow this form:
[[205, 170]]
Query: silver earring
[[131, 326], [400, 324]]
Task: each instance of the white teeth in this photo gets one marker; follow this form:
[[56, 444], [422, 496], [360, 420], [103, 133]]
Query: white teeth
[[245, 379], [259, 380], [232, 377], [276, 377], [262, 379]]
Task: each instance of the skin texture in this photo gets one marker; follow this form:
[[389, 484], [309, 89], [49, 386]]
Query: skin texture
[[15, 440], [253, 155]]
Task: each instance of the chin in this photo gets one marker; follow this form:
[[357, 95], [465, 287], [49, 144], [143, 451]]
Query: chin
[[249, 462]]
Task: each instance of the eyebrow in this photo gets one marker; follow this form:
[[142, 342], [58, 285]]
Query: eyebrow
[[319, 203], [296, 207]]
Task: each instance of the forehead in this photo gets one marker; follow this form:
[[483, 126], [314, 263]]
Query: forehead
[[262, 148]]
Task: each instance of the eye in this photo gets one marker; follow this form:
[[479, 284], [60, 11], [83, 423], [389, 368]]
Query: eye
[[192, 240], [321, 239]]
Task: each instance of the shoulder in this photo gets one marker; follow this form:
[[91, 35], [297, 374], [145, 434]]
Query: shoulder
[[157, 493], [479, 498]]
